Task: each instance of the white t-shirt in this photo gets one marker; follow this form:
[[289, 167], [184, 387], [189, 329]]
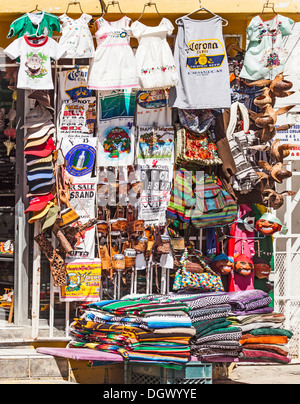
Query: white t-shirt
[[35, 61]]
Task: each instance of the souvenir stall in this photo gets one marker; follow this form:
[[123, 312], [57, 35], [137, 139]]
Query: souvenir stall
[[152, 165]]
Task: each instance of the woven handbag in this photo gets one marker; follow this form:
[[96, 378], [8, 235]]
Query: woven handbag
[[204, 282], [196, 148], [214, 207]]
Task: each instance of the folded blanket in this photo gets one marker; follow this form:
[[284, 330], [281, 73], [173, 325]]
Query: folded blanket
[[256, 318], [232, 333], [262, 310], [263, 339], [208, 328], [253, 326], [258, 355], [267, 347], [249, 299], [210, 312], [202, 299], [272, 331]]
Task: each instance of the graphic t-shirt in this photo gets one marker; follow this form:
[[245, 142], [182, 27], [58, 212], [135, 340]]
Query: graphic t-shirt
[[41, 23], [201, 62], [35, 61]]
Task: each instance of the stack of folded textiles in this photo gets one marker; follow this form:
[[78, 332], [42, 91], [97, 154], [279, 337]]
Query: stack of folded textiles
[[145, 330], [216, 337], [263, 338]]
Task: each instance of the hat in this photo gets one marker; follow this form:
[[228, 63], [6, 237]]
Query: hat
[[40, 175], [42, 166], [44, 183], [42, 150], [222, 257], [32, 160], [51, 217], [35, 133], [40, 213], [42, 97], [243, 257], [39, 202], [37, 117], [45, 190], [36, 142]]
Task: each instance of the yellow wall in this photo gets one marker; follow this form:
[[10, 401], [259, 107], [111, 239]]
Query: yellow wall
[[237, 12]]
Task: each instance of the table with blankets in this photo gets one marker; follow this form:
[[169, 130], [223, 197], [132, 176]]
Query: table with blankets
[[179, 327]]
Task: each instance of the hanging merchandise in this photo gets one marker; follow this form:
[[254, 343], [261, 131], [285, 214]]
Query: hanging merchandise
[[204, 282], [243, 265], [157, 183], [116, 144], [39, 23], [196, 148], [152, 108], [265, 55], [222, 264], [268, 224], [154, 58], [201, 62], [214, 207], [35, 54], [155, 145], [83, 281], [246, 177], [77, 119], [116, 106], [113, 65], [82, 199], [80, 156], [76, 37], [73, 84]]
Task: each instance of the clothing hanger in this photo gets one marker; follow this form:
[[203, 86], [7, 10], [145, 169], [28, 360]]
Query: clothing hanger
[[36, 9], [113, 3], [149, 4], [73, 3], [269, 6], [201, 8]]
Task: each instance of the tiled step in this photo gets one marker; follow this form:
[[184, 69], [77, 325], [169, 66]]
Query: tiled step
[[25, 363]]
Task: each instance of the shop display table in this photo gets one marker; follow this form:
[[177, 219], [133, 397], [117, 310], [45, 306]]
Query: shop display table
[[82, 354]]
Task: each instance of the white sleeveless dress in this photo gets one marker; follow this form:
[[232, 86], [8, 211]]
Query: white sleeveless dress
[[114, 65]]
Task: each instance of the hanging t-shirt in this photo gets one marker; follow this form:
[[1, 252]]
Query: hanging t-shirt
[[40, 23], [76, 36], [77, 118], [265, 55], [80, 156], [82, 199], [73, 84], [157, 181], [116, 104], [153, 108], [116, 143], [156, 145], [201, 61], [35, 61]]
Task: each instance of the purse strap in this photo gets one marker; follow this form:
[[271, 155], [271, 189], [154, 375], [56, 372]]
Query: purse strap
[[233, 118]]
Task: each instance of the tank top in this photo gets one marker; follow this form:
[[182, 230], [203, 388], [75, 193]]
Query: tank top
[[201, 61]]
